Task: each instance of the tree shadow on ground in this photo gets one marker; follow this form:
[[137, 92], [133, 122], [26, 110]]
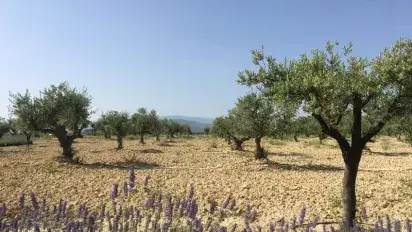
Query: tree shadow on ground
[[305, 167], [390, 153], [138, 165], [292, 154], [149, 150]]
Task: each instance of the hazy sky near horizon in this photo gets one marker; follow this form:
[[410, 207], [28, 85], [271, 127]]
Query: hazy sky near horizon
[[179, 57]]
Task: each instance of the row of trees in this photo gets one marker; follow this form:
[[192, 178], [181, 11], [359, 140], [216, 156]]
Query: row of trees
[[139, 124], [64, 112]]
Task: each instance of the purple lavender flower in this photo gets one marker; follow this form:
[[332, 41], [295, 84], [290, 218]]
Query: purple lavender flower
[[282, 222], [222, 229], [388, 223], [150, 201], [132, 178], [116, 223], [146, 181], [21, 200], [315, 222], [43, 202], [103, 211], [115, 190], [293, 222], [226, 202], [380, 222], [193, 209], [272, 227], [90, 225], [197, 224], [286, 228], [126, 226], [213, 205], [120, 213], [364, 215], [302, 215], [408, 225], [3, 211], [125, 190], [165, 227], [232, 204], [397, 226], [34, 202], [36, 228], [234, 227]]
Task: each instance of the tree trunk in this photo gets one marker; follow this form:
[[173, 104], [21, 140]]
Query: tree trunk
[[142, 138], [119, 142], [295, 137], [238, 144], [260, 153], [229, 141], [158, 137], [28, 136], [349, 186], [65, 141]]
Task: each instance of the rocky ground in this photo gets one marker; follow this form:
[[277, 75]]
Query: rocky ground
[[299, 173]]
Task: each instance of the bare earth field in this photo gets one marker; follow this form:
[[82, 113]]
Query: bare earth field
[[307, 173]]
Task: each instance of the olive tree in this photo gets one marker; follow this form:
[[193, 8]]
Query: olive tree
[[253, 117], [119, 124], [141, 123], [171, 127], [221, 128], [227, 127], [328, 83], [102, 125], [156, 125], [4, 127], [28, 111], [13, 124], [206, 130]]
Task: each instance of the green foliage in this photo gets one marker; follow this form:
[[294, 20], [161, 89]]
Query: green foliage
[[141, 123], [14, 142], [156, 125], [206, 130], [29, 113], [331, 86], [171, 127], [102, 126], [4, 127], [253, 116], [329, 83], [13, 124], [63, 106], [119, 124]]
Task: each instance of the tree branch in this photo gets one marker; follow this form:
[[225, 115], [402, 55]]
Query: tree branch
[[368, 99], [332, 132]]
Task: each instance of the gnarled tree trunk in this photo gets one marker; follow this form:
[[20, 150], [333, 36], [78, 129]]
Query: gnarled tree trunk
[[119, 141], [142, 138], [238, 144], [295, 137], [260, 152], [28, 136], [158, 137], [65, 141]]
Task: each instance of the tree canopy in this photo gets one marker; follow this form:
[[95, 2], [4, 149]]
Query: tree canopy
[[328, 83], [119, 124]]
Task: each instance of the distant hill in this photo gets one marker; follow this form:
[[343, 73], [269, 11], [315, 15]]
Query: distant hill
[[197, 124]]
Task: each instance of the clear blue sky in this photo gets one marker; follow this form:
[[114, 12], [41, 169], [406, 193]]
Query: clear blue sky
[[179, 57]]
